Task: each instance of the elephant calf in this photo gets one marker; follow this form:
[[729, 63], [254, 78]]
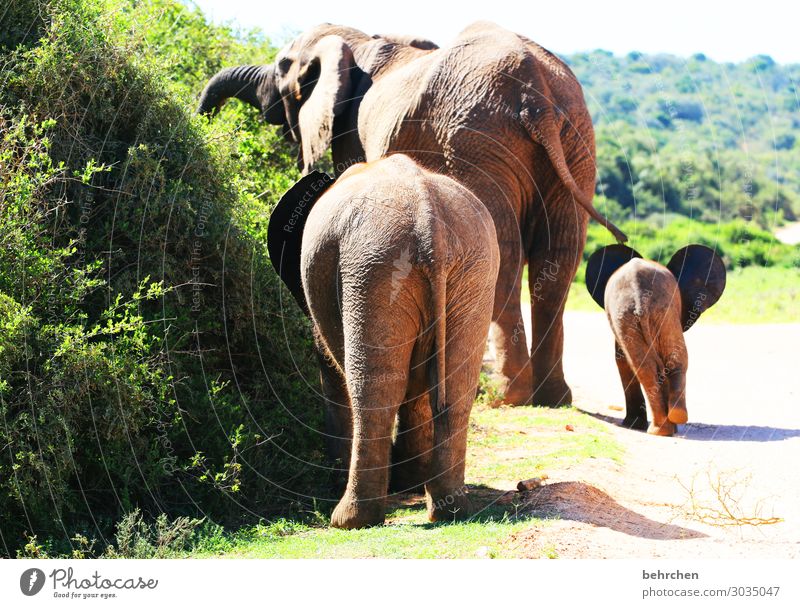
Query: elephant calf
[[396, 267], [649, 307]]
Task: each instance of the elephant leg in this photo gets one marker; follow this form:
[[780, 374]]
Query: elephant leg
[[446, 494], [635, 407], [338, 417], [555, 251], [445, 491], [377, 381], [676, 361], [661, 425], [650, 370], [550, 274], [507, 330], [413, 445], [677, 397]]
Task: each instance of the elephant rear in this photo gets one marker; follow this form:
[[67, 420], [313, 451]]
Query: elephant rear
[[414, 249], [645, 295], [398, 267]]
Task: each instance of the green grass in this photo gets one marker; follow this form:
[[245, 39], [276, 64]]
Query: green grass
[[759, 295], [505, 446], [752, 295], [510, 444], [407, 535]]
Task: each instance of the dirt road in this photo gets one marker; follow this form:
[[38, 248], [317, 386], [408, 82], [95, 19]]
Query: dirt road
[[710, 491]]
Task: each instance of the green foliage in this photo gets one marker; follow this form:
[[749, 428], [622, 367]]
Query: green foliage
[[707, 140], [740, 243], [146, 361], [134, 539], [763, 283], [489, 393]]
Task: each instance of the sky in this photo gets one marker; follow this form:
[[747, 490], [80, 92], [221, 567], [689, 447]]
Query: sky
[[724, 31]]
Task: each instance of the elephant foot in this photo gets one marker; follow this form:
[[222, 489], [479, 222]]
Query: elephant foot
[[553, 394], [636, 423], [665, 430], [678, 414], [455, 506], [515, 392], [515, 398], [351, 513]]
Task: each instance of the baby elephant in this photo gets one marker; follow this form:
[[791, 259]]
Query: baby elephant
[[649, 307], [396, 268]]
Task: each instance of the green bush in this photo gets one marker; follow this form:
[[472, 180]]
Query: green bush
[[146, 359], [740, 243]]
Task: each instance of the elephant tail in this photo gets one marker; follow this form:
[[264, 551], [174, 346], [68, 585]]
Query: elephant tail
[[544, 131], [439, 372]]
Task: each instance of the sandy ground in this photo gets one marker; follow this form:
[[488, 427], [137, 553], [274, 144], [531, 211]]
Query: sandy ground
[[742, 443]]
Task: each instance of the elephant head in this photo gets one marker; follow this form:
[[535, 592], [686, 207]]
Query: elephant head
[[315, 77], [311, 82], [699, 271]]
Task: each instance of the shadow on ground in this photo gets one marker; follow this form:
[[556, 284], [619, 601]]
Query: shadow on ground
[[567, 500], [698, 431], [731, 432], [578, 501]]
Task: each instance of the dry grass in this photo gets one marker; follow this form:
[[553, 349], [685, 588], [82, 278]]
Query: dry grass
[[720, 501]]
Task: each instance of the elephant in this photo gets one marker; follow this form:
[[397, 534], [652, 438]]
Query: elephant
[[649, 307], [396, 267], [493, 110]]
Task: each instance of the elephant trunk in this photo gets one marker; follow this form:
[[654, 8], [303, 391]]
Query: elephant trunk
[[252, 84]]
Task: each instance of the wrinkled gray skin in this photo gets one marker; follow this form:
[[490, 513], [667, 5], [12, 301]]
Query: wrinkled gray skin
[[495, 111], [398, 268], [643, 304]]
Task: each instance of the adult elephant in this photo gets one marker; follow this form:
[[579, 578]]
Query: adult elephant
[[493, 110]]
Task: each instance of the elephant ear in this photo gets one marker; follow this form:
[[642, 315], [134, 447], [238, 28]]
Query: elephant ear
[[602, 264], [701, 280], [285, 231], [329, 72]]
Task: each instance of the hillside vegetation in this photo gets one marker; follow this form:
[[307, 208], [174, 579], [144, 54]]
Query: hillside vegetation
[[146, 359], [150, 362], [711, 141]]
